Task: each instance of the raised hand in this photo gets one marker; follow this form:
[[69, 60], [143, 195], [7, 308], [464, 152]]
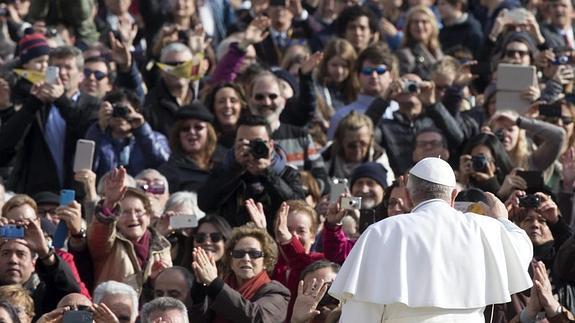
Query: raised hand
[[88, 179], [548, 208], [305, 305], [568, 162], [114, 187], [310, 63], [283, 235], [120, 53], [256, 212], [72, 215], [256, 32], [102, 314], [334, 211]]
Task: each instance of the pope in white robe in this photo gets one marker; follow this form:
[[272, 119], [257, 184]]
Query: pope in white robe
[[435, 264]]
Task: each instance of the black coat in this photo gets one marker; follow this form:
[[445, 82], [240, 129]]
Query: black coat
[[160, 109], [467, 33]]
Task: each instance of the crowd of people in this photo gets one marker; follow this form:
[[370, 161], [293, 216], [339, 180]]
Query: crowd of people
[[239, 149]]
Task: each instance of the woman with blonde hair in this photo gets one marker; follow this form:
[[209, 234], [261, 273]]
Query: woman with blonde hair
[[19, 297], [336, 82], [421, 48]]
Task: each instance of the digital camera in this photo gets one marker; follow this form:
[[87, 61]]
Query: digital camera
[[259, 149], [410, 87], [120, 111], [531, 201], [351, 203], [479, 163]]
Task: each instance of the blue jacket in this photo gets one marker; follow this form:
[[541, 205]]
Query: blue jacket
[[145, 149]]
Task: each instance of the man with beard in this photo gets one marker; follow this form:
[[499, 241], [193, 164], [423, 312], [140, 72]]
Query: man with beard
[[267, 101], [369, 182]]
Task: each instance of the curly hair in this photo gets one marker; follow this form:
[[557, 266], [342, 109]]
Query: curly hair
[[16, 294], [269, 247]]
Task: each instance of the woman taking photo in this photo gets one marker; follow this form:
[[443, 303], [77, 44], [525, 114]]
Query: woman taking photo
[[227, 103], [420, 49], [245, 293], [122, 244], [194, 144]]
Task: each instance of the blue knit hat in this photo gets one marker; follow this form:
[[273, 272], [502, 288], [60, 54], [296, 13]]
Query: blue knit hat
[[371, 170]]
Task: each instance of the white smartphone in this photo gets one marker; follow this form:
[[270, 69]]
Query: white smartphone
[[52, 74], [84, 154], [182, 221]]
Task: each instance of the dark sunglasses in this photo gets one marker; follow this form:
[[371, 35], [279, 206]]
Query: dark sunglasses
[[513, 53], [380, 70], [260, 97], [554, 120], [174, 63], [239, 254], [203, 237], [97, 74], [197, 128]]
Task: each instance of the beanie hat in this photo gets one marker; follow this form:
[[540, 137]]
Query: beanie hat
[[286, 76], [371, 170], [196, 110], [31, 46]]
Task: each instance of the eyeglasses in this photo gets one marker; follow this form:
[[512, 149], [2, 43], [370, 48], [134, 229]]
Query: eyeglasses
[[215, 237], [99, 75], [260, 97], [197, 128], [515, 52], [566, 120], [369, 70], [47, 211], [176, 63], [239, 254]]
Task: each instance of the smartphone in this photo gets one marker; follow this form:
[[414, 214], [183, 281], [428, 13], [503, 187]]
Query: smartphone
[[338, 187], [77, 316], [61, 233], [182, 221], [12, 231], [52, 73], [518, 15], [533, 178], [550, 110], [84, 156], [66, 197]]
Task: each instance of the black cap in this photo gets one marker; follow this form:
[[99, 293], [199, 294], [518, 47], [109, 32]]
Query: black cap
[[196, 110], [47, 197]]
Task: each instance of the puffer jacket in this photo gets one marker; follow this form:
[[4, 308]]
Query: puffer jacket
[[114, 256]]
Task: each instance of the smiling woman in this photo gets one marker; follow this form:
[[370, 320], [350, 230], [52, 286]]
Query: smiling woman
[[246, 293], [123, 246]]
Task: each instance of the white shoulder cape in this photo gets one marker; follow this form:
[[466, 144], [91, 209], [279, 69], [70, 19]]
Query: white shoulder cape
[[436, 257]]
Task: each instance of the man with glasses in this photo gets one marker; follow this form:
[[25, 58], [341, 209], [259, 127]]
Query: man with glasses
[[255, 168], [96, 80], [430, 142], [376, 69], [267, 101]]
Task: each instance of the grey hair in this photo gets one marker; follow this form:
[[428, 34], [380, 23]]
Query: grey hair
[[163, 304], [174, 48], [421, 190], [186, 199], [146, 171], [112, 287], [67, 52]]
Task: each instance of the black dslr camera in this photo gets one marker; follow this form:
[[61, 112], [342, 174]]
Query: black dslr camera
[[479, 163], [120, 111], [530, 201], [259, 149]]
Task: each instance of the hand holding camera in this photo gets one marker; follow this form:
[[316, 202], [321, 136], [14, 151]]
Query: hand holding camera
[[344, 204], [254, 155]]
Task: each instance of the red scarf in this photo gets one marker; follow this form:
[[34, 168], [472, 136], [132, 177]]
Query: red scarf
[[142, 248], [247, 290]]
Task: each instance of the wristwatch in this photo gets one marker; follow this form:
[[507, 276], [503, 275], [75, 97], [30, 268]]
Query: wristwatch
[[79, 235], [49, 254]]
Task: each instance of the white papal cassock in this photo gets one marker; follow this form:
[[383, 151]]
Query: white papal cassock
[[435, 264]]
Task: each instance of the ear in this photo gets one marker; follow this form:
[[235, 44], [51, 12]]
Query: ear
[[453, 196]]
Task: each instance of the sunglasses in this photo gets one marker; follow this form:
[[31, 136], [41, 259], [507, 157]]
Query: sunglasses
[[174, 63], [260, 97], [203, 237], [514, 53], [197, 128], [554, 120], [154, 188], [97, 74], [380, 70], [239, 254]]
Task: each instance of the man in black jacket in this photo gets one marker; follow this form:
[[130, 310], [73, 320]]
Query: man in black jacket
[[254, 169]]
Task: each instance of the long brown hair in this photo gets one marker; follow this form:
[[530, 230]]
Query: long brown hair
[[342, 48], [204, 158]]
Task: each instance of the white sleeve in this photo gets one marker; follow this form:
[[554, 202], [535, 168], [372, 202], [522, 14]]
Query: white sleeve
[[354, 312], [520, 240]]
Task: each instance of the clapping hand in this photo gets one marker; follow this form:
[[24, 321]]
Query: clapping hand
[[204, 267], [307, 300]]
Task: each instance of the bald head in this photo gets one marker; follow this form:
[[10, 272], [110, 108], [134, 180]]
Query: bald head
[[73, 300]]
